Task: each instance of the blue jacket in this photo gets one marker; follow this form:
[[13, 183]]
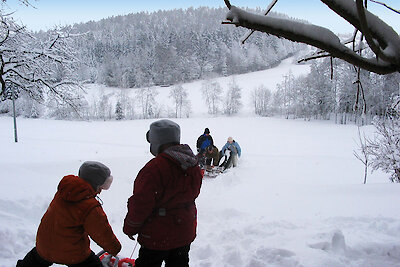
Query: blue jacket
[[204, 141], [233, 146]]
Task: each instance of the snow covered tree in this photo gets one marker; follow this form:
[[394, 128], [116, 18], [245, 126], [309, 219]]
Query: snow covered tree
[[104, 107], [232, 102], [285, 95], [380, 37], [39, 65], [384, 149], [119, 113], [212, 94], [321, 90], [130, 108], [262, 100], [146, 97], [180, 97]]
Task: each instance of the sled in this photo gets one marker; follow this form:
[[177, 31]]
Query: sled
[[212, 173], [110, 261]]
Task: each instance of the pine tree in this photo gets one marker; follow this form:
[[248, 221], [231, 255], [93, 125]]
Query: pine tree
[[119, 113]]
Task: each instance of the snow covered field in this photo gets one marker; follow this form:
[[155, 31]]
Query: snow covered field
[[296, 199]]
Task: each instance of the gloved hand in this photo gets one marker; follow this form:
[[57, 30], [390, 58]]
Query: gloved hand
[[108, 260]]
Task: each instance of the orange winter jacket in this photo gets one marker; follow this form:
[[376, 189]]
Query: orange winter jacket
[[72, 216]]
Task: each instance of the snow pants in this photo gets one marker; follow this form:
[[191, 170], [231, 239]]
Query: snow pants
[[33, 259], [178, 257], [213, 160], [231, 161]]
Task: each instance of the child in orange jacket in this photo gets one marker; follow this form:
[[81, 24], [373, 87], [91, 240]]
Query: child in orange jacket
[[73, 215]]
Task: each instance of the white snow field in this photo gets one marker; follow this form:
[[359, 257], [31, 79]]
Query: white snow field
[[297, 197]]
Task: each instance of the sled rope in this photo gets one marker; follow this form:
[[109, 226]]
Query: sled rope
[[134, 249]]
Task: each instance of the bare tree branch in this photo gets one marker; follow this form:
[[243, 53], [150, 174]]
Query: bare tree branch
[[269, 8], [383, 4], [227, 4]]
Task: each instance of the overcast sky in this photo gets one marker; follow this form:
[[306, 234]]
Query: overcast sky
[[47, 13]]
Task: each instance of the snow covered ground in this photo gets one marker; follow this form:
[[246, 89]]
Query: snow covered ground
[[296, 198]]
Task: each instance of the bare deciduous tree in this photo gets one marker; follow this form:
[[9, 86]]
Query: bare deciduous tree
[[211, 91], [380, 37], [179, 96], [363, 154], [232, 101], [261, 99], [384, 149], [146, 97]]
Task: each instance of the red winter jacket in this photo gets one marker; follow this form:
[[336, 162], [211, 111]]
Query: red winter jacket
[[74, 214], [162, 208]]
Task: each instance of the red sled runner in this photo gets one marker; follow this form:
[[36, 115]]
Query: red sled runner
[[111, 261]]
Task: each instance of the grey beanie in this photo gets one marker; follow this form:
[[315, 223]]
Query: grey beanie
[[162, 132], [95, 173]]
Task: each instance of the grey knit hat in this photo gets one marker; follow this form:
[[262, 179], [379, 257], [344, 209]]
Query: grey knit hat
[[162, 132], [96, 174]]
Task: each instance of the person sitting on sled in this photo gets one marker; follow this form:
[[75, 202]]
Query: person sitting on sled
[[73, 215], [212, 156], [205, 140], [231, 150], [162, 209]]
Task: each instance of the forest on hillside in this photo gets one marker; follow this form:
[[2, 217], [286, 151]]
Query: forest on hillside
[[169, 47]]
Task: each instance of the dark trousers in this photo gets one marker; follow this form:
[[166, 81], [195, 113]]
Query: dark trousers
[[32, 259], [178, 257], [201, 157]]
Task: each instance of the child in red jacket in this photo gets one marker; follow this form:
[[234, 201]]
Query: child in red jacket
[[73, 215], [162, 209]]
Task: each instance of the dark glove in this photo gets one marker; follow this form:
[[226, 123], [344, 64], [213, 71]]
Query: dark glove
[[131, 237]]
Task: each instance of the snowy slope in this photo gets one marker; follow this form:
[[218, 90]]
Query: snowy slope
[[296, 198], [247, 82]]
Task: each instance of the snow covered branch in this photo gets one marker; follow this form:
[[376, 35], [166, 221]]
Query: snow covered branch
[[36, 65], [381, 38]]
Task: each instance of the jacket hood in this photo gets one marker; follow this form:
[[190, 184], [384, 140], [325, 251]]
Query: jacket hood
[[183, 154], [73, 189]]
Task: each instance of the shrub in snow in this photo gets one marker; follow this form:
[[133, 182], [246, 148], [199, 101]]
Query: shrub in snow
[[385, 148]]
